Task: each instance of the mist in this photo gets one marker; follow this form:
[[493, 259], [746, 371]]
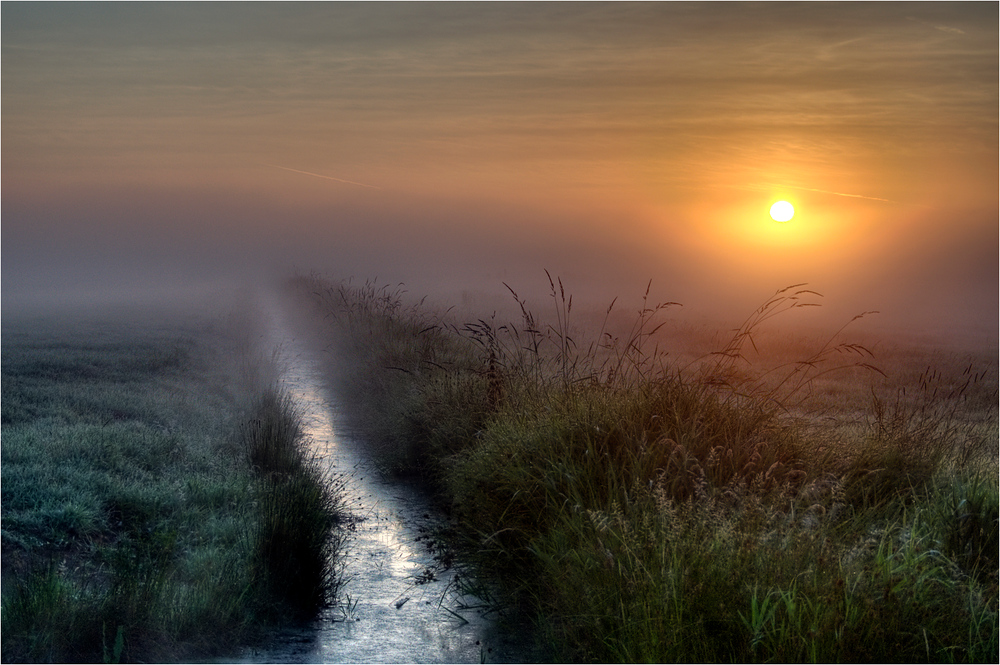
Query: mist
[[457, 254]]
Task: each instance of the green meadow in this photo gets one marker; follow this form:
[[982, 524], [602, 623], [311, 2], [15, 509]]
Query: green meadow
[[157, 502], [771, 499]]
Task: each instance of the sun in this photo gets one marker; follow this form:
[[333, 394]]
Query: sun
[[782, 211]]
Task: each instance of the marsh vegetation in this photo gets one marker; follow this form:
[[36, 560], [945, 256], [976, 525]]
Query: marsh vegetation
[[157, 501], [773, 500]]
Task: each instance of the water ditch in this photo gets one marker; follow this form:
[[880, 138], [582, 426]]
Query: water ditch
[[401, 600]]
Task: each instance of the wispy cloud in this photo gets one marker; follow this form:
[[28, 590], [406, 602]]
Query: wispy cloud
[[942, 28], [325, 177]]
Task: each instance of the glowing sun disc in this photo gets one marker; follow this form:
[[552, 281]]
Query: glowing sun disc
[[782, 211]]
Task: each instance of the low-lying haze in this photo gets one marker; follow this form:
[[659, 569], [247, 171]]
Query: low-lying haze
[[457, 146]]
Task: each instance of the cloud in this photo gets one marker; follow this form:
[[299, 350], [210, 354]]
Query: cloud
[[942, 28]]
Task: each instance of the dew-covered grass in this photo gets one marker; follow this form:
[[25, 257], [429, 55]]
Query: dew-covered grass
[[137, 522]]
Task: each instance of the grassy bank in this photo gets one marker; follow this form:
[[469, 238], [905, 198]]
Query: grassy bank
[[820, 510], [157, 503]]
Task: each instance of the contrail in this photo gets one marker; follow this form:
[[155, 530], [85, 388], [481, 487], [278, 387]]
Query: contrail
[[326, 177], [825, 191]]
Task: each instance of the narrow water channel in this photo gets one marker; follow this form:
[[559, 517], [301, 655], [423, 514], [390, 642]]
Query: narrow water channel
[[399, 604]]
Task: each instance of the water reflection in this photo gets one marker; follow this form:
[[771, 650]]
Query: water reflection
[[399, 604]]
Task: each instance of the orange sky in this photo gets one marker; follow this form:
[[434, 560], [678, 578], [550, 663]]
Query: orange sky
[[452, 146]]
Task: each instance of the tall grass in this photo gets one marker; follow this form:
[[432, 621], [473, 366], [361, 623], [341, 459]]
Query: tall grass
[[158, 501], [650, 512], [295, 541]]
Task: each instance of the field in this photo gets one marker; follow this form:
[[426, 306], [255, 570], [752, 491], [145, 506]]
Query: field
[[151, 474], [645, 491], [779, 499]]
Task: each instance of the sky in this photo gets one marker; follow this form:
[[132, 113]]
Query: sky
[[454, 147]]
